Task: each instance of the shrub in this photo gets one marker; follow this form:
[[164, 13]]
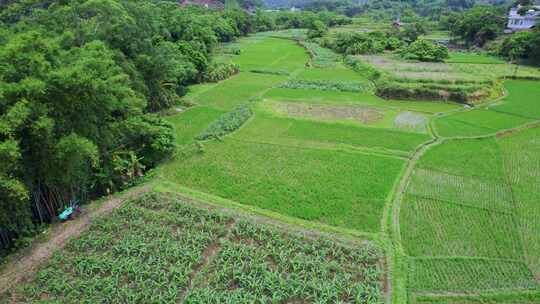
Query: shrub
[[227, 123], [393, 91], [393, 43], [359, 43], [232, 50], [317, 30], [367, 46], [360, 67], [321, 57], [517, 46], [220, 71], [478, 83], [425, 50]]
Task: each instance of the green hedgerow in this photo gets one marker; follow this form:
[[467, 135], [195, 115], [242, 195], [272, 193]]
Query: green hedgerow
[[324, 85], [227, 123]]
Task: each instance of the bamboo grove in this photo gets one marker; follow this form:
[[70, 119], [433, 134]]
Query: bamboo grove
[[80, 83]]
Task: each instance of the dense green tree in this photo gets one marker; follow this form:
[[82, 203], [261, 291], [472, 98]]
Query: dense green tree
[[167, 70], [425, 50], [447, 22], [14, 195], [317, 30], [263, 22], [534, 51], [306, 19], [240, 20], [460, 4], [410, 32], [79, 81], [363, 43], [224, 30], [522, 46], [516, 46], [479, 24]]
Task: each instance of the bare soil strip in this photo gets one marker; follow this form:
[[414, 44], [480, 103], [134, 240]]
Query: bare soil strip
[[362, 114], [25, 266], [208, 256]]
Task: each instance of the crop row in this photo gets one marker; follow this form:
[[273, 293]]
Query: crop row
[[321, 57], [262, 265], [160, 249], [466, 222], [228, 122], [437, 228], [521, 154], [466, 190], [468, 275], [325, 85]]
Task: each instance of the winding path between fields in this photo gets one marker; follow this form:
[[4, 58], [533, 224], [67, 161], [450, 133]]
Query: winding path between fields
[[24, 265], [397, 287]]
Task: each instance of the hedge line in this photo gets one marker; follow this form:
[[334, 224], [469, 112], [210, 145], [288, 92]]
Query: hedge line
[[270, 72], [523, 77], [320, 57], [462, 91], [443, 81], [324, 85], [359, 66], [227, 123], [220, 71]]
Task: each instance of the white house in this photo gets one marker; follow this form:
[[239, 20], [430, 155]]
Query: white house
[[517, 22]]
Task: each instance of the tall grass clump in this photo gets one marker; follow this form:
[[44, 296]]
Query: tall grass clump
[[320, 57], [220, 71], [359, 66], [228, 122]]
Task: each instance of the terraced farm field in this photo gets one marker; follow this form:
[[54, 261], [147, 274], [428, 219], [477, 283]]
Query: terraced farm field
[[518, 108], [316, 190], [461, 232], [468, 222], [161, 249]]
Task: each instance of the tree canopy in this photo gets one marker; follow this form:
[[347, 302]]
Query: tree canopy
[[425, 50], [479, 24], [79, 82]]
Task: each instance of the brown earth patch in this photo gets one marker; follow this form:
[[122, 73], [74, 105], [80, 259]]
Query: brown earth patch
[[365, 115], [411, 121]]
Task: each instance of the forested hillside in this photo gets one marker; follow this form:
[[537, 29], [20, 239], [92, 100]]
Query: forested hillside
[[385, 8], [79, 81]]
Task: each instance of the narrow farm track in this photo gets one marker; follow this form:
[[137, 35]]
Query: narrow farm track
[[411, 164], [208, 256], [397, 291], [396, 286], [24, 268]]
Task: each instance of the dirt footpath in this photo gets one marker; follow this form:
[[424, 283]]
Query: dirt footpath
[[25, 266]]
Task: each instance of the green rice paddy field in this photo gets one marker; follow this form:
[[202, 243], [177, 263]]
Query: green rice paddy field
[[385, 201]]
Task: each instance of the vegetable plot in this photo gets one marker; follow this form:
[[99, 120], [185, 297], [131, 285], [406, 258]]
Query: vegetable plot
[[160, 249]]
